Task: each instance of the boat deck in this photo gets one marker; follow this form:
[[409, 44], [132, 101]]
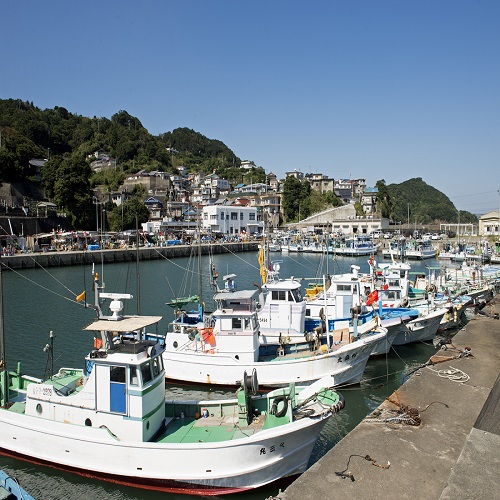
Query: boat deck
[[66, 382], [208, 430]]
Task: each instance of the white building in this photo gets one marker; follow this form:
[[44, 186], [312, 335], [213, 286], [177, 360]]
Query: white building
[[231, 219], [489, 224]]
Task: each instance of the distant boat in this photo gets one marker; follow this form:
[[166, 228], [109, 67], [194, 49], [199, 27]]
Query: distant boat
[[420, 250], [358, 246]]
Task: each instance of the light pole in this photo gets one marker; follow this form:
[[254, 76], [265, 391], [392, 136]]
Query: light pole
[[95, 201], [498, 227]]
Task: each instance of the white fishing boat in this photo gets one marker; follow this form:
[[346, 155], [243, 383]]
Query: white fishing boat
[[420, 250], [358, 246], [231, 344], [281, 313], [111, 421], [350, 302], [397, 249]]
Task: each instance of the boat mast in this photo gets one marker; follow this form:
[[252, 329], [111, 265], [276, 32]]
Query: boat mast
[[4, 374], [200, 283], [137, 266]]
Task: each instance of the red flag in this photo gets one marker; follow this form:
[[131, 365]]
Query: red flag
[[386, 286], [373, 297]]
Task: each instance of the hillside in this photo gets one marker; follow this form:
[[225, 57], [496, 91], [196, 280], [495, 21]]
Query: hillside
[[417, 201], [69, 142]]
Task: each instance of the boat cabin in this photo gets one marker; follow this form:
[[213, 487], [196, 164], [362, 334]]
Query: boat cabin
[[120, 390]]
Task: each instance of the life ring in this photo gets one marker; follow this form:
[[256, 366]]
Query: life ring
[[274, 408], [431, 289]]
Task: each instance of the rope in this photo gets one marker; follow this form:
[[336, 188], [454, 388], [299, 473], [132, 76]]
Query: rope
[[346, 473], [44, 287], [454, 374]]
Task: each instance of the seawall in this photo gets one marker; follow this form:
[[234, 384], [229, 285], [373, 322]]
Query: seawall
[[31, 260]]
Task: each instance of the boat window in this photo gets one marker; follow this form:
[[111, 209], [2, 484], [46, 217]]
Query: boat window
[[156, 366], [146, 372], [117, 374], [343, 288], [134, 379], [236, 324], [278, 295], [296, 295]]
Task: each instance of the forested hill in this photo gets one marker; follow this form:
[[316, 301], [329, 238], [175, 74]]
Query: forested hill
[[421, 203], [29, 132], [69, 142]]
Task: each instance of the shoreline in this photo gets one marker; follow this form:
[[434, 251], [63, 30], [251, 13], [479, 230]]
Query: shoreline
[[31, 260]]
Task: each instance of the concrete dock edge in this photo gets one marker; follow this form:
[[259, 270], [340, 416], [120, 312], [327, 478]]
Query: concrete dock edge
[[455, 451]]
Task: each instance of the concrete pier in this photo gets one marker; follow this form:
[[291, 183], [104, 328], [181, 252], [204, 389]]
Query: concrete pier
[[76, 257], [455, 451]]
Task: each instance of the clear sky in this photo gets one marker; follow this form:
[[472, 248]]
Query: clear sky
[[374, 89]]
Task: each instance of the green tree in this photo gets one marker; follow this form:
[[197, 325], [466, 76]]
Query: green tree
[[123, 217], [383, 201], [296, 203], [66, 181]]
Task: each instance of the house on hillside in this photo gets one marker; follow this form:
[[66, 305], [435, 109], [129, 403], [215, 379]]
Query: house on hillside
[[321, 183], [35, 167], [368, 200]]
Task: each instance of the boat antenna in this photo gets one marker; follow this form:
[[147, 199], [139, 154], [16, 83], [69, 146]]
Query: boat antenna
[[4, 374]]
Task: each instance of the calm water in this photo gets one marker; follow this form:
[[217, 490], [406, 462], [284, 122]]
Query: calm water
[[39, 301]]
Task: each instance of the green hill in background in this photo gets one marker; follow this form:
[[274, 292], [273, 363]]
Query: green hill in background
[[69, 141]]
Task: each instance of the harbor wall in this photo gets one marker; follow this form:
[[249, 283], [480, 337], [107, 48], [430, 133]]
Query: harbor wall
[[31, 260]]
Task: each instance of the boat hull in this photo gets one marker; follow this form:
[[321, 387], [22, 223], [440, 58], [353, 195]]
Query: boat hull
[[421, 329], [346, 364], [200, 468]]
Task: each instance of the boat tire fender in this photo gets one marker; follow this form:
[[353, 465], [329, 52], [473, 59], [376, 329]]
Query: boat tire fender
[[278, 413], [340, 404]]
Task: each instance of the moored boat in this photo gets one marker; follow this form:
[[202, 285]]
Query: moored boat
[[111, 421], [10, 489], [217, 353]]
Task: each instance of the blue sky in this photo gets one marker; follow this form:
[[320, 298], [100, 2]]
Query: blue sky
[[374, 89]]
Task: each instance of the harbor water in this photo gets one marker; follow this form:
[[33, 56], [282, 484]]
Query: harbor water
[[40, 301]]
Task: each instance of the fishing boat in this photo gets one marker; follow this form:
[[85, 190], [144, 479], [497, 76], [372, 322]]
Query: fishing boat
[[217, 353], [397, 248], [111, 420], [420, 249], [358, 246], [351, 300]]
